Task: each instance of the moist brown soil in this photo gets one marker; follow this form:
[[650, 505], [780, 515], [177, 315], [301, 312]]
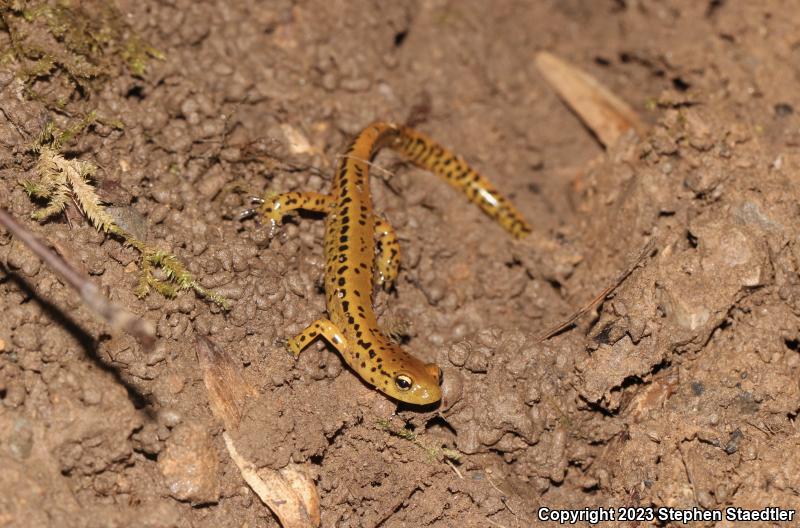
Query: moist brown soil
[[680, 390]]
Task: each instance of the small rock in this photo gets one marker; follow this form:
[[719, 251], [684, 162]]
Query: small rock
[[190, 465]]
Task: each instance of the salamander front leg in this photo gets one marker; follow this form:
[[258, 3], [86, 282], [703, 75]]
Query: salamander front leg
[[319, 328], [275, 206], [387, 259]]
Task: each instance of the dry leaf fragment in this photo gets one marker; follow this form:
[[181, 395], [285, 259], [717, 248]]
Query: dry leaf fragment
[[600, 110], [289, 493], [227, 389]]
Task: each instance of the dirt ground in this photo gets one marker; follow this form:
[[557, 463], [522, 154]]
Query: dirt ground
[[681, 390]]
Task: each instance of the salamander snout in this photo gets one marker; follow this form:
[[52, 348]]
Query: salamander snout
[[434, 371], [419, 386]]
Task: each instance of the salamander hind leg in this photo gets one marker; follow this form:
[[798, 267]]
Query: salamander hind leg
[[387, 257], [319, 328], [276, 206]]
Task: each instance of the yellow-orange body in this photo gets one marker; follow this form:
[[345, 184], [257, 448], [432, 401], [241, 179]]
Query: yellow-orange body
[[351, 228]]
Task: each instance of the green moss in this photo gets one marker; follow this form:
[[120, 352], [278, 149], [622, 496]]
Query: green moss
[[433, 452], [62, 181], [84, 42]]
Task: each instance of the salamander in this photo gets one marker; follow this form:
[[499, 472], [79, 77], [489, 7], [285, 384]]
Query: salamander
[[354, 261]]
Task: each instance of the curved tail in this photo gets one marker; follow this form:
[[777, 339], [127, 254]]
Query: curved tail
[[428, 154]]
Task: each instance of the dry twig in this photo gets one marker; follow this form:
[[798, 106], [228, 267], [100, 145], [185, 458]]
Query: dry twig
[[557, 329], [115, 316]]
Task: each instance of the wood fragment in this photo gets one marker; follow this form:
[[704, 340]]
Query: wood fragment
[[278, 495], [227, 389], [605, 114], [115, 316], [620, 278], [289, 493], [302, 484]]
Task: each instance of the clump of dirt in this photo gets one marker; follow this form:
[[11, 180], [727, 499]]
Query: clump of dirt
[[679, 390]]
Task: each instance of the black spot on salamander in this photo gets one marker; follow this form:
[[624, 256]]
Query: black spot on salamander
[[346, 200], [351, 319], [362, 222], [362, 265], [373, 369], [312, 334], [341, 281], [342, 258], [379, 359], [341, 270], [343, 239], [345, 219], [384, 373], [372, 354], [343, 247], [344, 229], [302, 338], [357, 326]]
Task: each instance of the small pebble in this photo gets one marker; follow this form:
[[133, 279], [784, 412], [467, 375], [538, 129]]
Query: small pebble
[[190, 465]]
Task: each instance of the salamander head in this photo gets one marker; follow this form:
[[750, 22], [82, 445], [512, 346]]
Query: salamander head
[[414, 382]]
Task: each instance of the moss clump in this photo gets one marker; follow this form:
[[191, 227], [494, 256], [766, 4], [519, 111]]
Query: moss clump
[[434, 452], [83, 42], [61, 181]]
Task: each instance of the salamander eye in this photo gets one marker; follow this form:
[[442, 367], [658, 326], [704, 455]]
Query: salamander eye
[[403, 382]]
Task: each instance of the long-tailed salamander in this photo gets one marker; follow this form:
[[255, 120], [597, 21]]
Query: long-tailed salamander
[[351, 230]]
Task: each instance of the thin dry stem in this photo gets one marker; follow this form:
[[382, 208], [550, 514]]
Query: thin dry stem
[[115, 316]]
